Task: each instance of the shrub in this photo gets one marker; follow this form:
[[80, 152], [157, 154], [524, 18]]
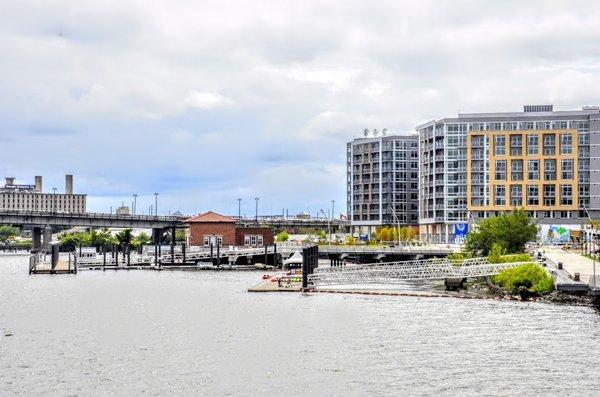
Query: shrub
[[282, 236], [529, 275]]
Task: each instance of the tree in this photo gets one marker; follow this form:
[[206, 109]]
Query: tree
[[68, 242], [180, 236], [102, 238], [8, 233], [142, 239], [510, 231], [282, 237], [124, 237]]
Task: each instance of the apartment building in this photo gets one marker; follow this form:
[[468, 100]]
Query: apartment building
[[382, 181], [481, 164], [14, 197]]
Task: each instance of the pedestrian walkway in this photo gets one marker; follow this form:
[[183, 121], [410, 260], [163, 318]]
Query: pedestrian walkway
[[573, 264]]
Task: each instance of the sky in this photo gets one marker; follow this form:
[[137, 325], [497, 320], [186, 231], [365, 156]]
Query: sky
[[205, 102]]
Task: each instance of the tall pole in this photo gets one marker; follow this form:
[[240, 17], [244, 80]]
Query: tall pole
[[256, 210], [332, 208], [134, 203], [592, 239], [239, 208], [155, 204]]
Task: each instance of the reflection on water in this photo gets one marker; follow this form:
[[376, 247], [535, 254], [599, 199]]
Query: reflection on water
[[200, 333]]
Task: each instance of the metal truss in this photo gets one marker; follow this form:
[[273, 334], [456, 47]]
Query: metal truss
[[395, 272]]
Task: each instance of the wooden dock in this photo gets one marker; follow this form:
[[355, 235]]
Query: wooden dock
[[42, 264]]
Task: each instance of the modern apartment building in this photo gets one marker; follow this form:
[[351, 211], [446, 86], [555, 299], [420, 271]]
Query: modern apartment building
[[382, 181], [31, 197], [480, 164]]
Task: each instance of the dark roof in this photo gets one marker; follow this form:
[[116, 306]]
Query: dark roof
[[210, 217]]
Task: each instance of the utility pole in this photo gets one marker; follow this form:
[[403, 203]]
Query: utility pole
[[256, 210], [155, 204], [239, 208], [134, 203], [332, 208]]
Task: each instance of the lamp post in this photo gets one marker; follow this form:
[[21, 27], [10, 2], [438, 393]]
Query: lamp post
[[256, 210], [155, 204], [134, 203], [592, 238], [53, 199], [328, 224], [239, 208]]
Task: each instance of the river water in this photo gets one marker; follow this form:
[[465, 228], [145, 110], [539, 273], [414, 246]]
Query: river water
[[201, 333]]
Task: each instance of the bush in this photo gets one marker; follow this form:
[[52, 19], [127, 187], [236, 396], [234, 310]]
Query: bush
[[282, 236], [529, 275]]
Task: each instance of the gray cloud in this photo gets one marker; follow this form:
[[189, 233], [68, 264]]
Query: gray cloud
[[207, 102]]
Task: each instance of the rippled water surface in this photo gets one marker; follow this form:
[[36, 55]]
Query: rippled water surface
[[141, 332]]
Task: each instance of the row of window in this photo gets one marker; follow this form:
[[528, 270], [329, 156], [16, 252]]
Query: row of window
[[533, 195], [533, 144], [533, 170]]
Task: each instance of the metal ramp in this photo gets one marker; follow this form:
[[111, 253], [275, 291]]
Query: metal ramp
[[395, 272]]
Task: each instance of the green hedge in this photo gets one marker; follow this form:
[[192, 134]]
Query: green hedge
[[529, 275]]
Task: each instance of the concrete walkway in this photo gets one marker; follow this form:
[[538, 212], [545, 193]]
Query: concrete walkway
[[572, 263]]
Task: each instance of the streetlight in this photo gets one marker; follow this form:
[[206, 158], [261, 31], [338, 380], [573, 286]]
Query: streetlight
[[134, 203], [256, 209], [591, 237], [53, 199], [155, 204], [328, 224], [332, 208], [239, 208]]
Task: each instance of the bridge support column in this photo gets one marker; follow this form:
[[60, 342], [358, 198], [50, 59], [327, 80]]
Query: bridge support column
[[36, 239], [47, 238]]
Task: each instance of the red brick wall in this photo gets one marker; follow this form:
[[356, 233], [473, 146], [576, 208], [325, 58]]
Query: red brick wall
[[266, 232], [197, 231]]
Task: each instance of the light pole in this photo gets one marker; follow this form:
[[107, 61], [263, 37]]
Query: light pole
[[256, 210], [53, 199], [134, 203], [239, 208], [328, 224], [332, 208], [156, 204], [592, 238]]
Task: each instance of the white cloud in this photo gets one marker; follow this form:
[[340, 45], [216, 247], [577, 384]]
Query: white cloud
[[207, 100]]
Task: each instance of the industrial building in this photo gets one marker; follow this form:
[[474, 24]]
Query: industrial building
[[15, 197], [382, 181], [478, 165]]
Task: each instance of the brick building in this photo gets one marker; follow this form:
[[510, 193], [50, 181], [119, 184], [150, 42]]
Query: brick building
[[214, 228]]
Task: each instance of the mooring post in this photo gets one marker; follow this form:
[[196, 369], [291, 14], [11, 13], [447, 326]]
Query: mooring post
[[266, 255], [305, 261], [116, 256], [173, 230], [103, 258], [183, 252], [128, 255], [212, 260], [218, 255], [275, 255]]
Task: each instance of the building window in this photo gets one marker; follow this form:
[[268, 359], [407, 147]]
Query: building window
[[516, 195], [532, 144], [533, 168], [499, 145], [550, 170], [549, 195], [500, 166], [533, 195], [516, 170], [253, 239], [566, 195], [499, 195], [567, 169], [549, 144], [212, 239], [516, 145], [566, 143]]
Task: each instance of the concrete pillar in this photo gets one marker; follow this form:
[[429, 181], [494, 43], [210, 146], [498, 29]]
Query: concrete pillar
[[47, 238], [36, 238]]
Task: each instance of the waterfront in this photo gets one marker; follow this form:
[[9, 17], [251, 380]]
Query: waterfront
[[136, 332]]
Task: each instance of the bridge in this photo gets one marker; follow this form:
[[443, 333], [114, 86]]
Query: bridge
[[294, 224], [395, 272]]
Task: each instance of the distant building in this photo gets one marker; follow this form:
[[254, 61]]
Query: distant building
[[15, 197], [123, 210], [382, 181], [212, 228]]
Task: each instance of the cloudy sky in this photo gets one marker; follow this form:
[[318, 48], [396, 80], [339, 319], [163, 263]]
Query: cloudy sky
[[208, 101]]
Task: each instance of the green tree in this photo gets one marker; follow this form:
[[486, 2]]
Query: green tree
[[102, 238], [142, 239], [511, 231], [124, 237], [282, 236], [8, 233], [180, 236], [70, 241]]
